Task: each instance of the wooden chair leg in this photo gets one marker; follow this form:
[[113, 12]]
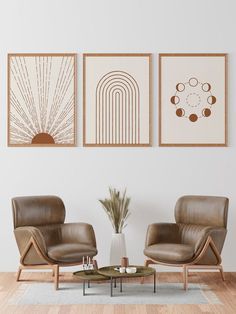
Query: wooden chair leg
[[222, 272], [185, 277], [18, 273], [147, 262], [56, 275]]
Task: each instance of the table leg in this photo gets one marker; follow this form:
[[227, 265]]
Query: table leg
[[154, 282], [115, 283], [111, 285], [88, 284], [120, 284], [83, 287]]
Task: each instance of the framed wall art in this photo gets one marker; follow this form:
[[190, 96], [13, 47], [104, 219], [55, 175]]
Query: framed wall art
[[42, 99], [193, 99], [117, 98]]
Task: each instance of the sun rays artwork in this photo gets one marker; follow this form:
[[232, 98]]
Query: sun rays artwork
[[117, 99], [41, 99]]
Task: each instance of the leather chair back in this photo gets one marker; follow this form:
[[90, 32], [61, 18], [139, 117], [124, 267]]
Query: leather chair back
[[202, 210], [37, 210]]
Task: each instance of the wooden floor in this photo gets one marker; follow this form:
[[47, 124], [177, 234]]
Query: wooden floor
[[225, 291]]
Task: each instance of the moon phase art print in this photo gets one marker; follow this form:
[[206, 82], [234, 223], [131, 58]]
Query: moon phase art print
[[192, 100]]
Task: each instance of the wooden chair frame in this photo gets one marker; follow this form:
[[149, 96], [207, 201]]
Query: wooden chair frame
[[193, 264], [48, 264]]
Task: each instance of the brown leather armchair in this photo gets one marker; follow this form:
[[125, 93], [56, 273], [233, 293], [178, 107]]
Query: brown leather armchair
[[195, 240], [44, 240]]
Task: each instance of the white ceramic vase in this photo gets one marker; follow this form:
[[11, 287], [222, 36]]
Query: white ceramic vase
[[118, 248]]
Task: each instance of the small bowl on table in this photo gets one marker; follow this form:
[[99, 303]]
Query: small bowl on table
[[131, 270]]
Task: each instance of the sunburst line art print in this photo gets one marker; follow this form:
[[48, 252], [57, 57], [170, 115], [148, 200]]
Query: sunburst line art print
[[41, 99]]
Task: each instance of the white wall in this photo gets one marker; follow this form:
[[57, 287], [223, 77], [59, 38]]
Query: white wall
[[155, 177]]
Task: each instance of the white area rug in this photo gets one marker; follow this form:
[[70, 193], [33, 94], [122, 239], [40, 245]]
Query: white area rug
[[99, 293], [71, 293]]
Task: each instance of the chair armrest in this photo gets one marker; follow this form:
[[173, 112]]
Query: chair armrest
[[78, 233], [23, 236], [162, 233], [217, 235], [196, 235]]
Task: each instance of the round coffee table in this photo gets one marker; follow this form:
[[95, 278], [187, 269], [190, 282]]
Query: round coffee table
[[142, 271]]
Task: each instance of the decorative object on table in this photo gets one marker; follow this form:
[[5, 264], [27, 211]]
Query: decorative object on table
[[88, 264], [193, 99], [124, 262], [195, 241], [42, 99], [117, 99], [117, 209], [38, 220], [131, 270], [122, 270], [128, 270]]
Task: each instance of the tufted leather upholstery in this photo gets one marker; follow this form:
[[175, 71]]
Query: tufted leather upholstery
[[197, 217], [37, 211], [202, 210]]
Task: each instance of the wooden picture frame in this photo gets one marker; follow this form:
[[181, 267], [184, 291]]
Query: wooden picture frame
[[192, 99], [42, 97], [117, 99]]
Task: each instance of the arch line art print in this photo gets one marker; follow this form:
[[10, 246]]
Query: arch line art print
[[117, 99], [117, 109], [41, 99]]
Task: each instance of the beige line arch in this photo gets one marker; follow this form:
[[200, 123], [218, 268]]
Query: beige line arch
[[116, 99], [128, 116], [126, 100]]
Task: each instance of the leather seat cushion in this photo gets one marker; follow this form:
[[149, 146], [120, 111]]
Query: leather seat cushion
[[170, 252], [70, 252]]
